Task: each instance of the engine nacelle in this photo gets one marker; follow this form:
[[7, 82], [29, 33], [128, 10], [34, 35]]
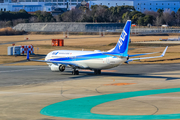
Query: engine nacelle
[[54, 68], [61, 68], [57, 68]]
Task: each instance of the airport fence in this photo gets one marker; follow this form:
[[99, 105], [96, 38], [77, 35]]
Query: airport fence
[[154, 30], [90, 27]]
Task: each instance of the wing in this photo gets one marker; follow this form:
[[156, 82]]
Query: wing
[[162, 55]]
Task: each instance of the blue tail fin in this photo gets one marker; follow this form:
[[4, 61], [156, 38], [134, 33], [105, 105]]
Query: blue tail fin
[[123, 42]]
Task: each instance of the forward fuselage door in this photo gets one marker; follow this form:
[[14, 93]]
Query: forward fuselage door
[[108, 60]]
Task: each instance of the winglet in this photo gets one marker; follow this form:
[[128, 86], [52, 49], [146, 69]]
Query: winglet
[[28, 55], [164, 52]]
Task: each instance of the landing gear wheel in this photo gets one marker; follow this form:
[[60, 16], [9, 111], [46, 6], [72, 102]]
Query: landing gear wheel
[[75, 72], [97, 72]]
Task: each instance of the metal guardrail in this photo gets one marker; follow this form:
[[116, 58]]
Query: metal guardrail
[[133, 30], [42, 27], [153, 30]]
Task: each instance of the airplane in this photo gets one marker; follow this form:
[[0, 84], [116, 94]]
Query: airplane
[[96, 60]]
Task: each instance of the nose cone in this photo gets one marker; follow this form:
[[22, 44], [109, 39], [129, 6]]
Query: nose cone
[[46, 57]]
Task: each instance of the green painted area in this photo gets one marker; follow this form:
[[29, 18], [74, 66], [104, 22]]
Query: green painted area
[[81, 107]]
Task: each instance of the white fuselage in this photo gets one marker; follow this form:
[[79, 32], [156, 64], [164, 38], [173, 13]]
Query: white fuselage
[[86, 59]]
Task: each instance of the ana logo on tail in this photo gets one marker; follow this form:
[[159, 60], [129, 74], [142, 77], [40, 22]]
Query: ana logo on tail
[[123, 42], [122, 38]]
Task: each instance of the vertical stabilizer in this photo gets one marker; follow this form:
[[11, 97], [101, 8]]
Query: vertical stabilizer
[[123, 42]]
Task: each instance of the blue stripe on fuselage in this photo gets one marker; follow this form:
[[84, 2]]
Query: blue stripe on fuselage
[[87, 57]]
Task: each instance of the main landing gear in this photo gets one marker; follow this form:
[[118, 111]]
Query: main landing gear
[[97, 72], [75, 72]]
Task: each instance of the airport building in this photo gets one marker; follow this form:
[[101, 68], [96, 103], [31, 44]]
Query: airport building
[[34, 5], [50, 5], [154, 5], [141, 5]]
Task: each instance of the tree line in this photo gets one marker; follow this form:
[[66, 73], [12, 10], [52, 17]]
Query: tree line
[[9, 19], [97, 13]]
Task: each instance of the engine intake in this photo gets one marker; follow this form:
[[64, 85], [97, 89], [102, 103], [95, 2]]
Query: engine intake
[[61, 68]]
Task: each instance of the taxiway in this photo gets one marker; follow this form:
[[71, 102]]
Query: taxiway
[[26, 90]]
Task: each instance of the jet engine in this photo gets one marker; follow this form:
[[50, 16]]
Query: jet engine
[[57, 68], [61, 68]]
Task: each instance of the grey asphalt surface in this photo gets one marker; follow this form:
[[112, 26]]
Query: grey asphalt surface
[[26, 90], [25, 75]]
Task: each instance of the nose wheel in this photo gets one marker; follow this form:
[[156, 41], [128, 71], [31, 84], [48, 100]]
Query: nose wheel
[[75, 72]]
